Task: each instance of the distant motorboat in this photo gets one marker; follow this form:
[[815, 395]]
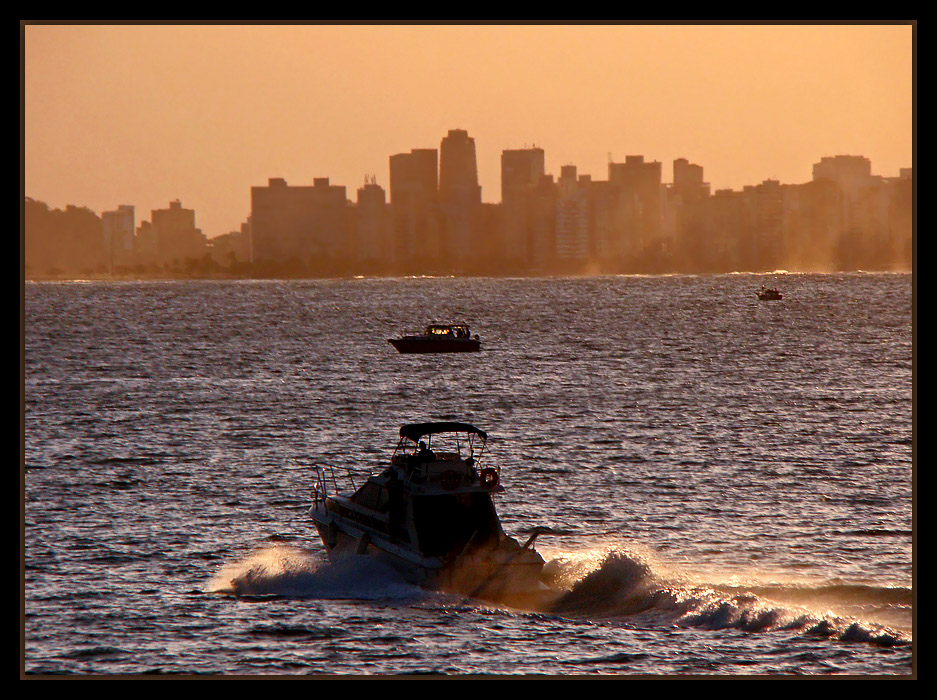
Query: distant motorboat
[[769, 294], [439, 338]]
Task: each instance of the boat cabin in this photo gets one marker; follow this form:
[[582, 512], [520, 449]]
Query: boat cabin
[[457, 331], [435, 496]]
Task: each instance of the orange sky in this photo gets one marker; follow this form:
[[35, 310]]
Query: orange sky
[[145, 114]]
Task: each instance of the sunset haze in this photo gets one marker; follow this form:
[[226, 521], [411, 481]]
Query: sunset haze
[[143, 115]]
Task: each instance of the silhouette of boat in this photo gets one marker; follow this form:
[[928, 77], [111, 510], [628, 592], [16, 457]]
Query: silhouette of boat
[[769, 294], [439, 338], [429, 514]]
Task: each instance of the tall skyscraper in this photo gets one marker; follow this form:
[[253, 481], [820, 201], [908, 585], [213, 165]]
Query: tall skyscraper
[[520, 169], [685, 209], [521, 172], [637, 188], [572, 218], [372, 227], [414, 197], [458, 172], [118, 227], [459, 193], [862, 216]]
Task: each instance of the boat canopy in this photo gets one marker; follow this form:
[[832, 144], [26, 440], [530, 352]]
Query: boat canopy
[[414, 431]]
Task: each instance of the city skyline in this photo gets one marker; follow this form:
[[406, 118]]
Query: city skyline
[[232, 106], [845, 217]]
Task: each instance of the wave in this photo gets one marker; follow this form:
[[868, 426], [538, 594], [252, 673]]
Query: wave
[[618, 583], [281, 570], [610, 583]]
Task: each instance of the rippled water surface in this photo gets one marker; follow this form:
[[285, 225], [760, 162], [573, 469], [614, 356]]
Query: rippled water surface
[[730, 480]]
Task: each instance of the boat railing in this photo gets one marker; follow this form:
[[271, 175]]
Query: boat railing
[[330, 481]]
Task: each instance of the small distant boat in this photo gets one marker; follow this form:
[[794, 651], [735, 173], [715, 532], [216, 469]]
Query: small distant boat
[[769, 294], [439, 338], [429, 514]]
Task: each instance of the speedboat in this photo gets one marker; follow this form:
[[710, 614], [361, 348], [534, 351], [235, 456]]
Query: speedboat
[[429, 514], [439, 338], [769, 294]]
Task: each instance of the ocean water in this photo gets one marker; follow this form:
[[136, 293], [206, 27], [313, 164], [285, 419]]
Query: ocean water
[[729, 481]]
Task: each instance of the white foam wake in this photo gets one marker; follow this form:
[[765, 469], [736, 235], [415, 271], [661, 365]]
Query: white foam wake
[[618, 582], [288, 571]]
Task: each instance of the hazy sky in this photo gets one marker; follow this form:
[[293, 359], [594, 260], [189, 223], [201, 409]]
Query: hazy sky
[[145, 114]]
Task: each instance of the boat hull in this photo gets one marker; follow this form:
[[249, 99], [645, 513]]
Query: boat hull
[[516, 584], [419, 345]]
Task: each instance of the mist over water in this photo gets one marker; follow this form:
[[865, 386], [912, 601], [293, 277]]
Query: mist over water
[[730, 480]]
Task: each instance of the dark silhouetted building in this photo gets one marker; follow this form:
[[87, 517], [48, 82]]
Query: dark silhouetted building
[[170, 237], [572, 218], [636, 189], [869, 210], [118, 228], [900, 222], [542, 223], [763, 251], [521, 173], [459, 195], [849, 172], [813, 220], [373, 225], [414, 198], [307, 225], [687, 211]]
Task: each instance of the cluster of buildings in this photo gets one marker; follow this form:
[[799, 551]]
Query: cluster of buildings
[[435, 222], [76, 240]]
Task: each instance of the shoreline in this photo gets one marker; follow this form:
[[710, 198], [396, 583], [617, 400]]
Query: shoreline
[[390, 276]]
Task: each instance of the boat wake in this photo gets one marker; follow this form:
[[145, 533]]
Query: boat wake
[[617, 583], [613, 583], [287, 571]]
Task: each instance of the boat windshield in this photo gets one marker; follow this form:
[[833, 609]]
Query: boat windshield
[[456, 331], [444, 445]]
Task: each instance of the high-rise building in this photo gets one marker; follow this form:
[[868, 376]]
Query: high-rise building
[[542, 223], [176, 237], [414, 175], [414, 197], [636, 187], [301, 223], [458, 171], [572, 218], [849, 172], [459, 194], [765, 203], [730, 219], [688, 180], [372, 227], [812, 224], [521, 173], [866, 201], [118, 227], [686, 212], [520, 170]]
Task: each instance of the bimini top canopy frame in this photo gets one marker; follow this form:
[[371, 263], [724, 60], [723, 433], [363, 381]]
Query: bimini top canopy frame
[[414, 431]]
